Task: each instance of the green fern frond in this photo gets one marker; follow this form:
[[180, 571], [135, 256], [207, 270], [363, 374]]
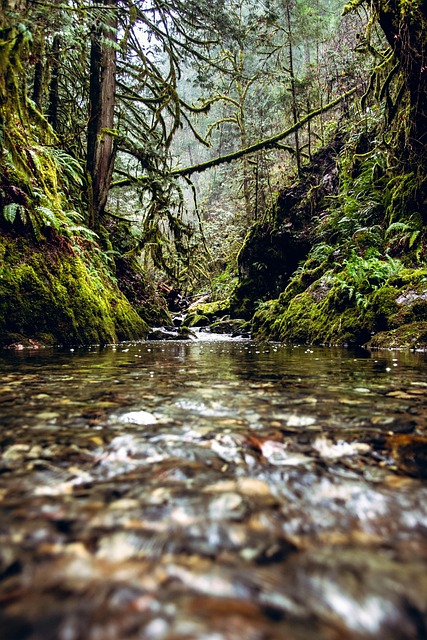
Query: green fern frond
[[82, 232], [414, 237], [73, 216], [49, 217], [68, 166], [10, 211], [397, 226]]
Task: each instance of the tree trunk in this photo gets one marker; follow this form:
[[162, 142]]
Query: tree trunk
[[406, 32], [52, 114], [293, 86], [39, 46], [102, 90]]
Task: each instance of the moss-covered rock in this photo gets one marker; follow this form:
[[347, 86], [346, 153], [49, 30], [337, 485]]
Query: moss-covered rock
[[236, 327], [50, 295], [364, 272], [266, 262], [312, 318], [141, 293], [203, 314], [409, 336], [384, 305], [196, 320], [333, 311], [275, 246]]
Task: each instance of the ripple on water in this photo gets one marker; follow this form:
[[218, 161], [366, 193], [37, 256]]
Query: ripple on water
[[213, 490]]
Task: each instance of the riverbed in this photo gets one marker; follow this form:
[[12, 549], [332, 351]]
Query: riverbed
[[213, 489]]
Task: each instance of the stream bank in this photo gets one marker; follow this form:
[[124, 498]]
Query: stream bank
[[50, 296], [340, 258]]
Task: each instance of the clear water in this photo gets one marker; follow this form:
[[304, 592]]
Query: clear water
[[212, 489]]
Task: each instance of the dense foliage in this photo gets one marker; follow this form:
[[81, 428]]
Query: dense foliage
[[145, 139]]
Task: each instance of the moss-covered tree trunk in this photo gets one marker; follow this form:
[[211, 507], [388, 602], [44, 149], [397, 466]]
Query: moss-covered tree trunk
[[404, 23], [53, 287], [11, 38]]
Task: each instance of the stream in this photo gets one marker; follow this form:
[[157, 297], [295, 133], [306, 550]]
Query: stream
[[213, 489]]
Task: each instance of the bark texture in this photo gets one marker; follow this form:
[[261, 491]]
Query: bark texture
[[100, 145], [405, 26]]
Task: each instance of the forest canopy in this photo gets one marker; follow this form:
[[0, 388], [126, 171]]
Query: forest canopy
[[117, 82]]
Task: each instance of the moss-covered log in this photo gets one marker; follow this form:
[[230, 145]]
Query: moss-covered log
[[268, 143]]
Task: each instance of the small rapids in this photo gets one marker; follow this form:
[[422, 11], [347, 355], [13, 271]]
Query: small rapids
[[213, 489]]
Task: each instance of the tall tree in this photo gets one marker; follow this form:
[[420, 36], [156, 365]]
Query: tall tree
[[53, 104], [292, 79], [405, 27], [102, 94]]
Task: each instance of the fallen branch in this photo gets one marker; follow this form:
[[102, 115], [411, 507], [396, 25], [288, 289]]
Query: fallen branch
[[264, 144]]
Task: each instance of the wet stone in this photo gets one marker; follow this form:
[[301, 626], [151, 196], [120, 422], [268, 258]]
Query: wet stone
[[212, 489]]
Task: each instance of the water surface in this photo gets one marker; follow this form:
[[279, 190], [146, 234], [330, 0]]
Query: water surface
[[212, 490]]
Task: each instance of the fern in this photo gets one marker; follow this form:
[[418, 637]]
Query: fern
[[69, 166], [73, 216], [404, 233], [49, 217], [10, 211], [362, 276], [414, 237], [397, 226], [82, 232]]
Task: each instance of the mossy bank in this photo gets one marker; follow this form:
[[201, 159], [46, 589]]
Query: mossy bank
[[362, 277], [49, 295], [329, 311]]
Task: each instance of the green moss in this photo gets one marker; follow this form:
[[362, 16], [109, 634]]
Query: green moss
[[409, 336], [325, 313], [200, 315], [236, 327], [243, 301], [320, 315], [196, 320], [213, 309], [384, 305], [412, 277], [48, 295]]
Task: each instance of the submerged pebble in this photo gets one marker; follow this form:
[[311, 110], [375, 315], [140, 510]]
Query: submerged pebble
[[213, 491]]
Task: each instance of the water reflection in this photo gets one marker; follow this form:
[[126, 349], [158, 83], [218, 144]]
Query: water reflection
[[212, 490]]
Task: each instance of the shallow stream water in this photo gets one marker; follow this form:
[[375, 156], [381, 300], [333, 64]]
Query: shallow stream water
[[213, 490]]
